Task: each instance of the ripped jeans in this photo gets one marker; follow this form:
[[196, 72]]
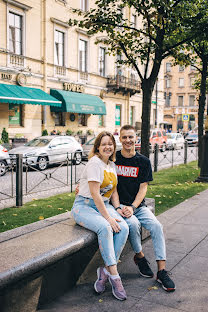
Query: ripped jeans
[[110, 243]]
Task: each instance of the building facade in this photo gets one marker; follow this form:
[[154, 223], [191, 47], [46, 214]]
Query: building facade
[[38, 50], [181, 98]]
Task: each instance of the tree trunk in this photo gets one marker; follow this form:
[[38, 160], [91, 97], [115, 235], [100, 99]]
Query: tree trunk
[[202, 101], [147, 89]]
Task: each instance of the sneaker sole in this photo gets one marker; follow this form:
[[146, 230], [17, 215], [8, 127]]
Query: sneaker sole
[[121, 299], [98, 273], [166, 289], [145, 275]]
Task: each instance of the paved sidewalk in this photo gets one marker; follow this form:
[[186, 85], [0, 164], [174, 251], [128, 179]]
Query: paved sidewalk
[[186, 232]]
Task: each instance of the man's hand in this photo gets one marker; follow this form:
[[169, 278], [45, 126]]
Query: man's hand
[[127, 211]]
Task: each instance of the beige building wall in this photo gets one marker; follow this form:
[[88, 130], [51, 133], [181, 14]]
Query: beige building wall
[[37, 66]]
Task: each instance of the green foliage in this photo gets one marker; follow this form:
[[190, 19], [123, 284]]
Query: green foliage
[[90, 132], [79, 132], [69, 132], [4, 136], [58, 132], [44, 132]]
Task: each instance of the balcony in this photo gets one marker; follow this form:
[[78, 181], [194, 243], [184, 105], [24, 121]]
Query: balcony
[[17, 60], [123, 84], [60, 70]]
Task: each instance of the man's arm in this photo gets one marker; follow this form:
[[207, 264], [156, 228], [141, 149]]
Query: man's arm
[[115, 201]]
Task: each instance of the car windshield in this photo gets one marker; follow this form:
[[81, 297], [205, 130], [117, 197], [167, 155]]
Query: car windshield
[[90, 142], [192, 136], [38, 142], [171, 135]]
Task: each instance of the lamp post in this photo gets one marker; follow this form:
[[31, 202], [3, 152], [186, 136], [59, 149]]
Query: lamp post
[[204, 161], [156, 98]]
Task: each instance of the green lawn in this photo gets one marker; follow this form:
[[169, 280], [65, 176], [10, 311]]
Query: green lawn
[[169, 188]]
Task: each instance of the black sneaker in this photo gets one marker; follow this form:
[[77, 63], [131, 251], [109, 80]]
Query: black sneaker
[[143, 266], [164, 279]]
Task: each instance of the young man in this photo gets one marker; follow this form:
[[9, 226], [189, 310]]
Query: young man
[[134, 172]]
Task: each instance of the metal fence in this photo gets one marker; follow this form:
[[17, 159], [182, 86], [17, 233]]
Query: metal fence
[[23, 179]]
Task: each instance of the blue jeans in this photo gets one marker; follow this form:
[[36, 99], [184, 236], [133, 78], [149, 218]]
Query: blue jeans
[[110, 243], [144, 217]]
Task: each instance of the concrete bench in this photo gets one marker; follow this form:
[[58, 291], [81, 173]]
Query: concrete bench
[[42, 260]]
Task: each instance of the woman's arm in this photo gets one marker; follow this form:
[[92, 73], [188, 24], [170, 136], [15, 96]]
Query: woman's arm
[[95, 192]]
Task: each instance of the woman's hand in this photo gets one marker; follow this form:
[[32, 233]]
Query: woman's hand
[[113, 223]]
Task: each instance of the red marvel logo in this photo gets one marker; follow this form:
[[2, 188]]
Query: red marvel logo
[[127, 171]]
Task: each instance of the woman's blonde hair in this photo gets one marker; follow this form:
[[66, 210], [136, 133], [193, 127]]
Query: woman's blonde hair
[[94, 151]]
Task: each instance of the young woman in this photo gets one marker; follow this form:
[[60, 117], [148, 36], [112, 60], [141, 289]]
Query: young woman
[[92, 210]]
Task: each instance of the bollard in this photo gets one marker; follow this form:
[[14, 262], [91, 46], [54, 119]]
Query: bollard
[[185, 152], [156, 150], [19, 175]]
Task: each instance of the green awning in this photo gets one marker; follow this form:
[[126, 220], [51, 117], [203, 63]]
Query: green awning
[[78, 103], [23, 95]]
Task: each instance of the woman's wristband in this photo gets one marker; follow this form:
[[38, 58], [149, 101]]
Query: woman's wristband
[[117, 208]]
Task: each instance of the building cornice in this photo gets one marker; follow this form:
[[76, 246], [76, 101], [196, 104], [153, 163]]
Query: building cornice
[[18, 5], [60, 23]]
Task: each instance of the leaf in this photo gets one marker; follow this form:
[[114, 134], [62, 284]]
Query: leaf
[[33, 205], [4, 223], [49, 206], [152, 287], [60, 208], [159, 202], [14, 214], [100, 300], [41, 218], [157, 196], [176, 193]]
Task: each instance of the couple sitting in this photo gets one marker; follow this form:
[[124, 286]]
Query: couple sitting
[[126, 187]]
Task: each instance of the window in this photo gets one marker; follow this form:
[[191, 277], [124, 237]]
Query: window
[[131, 115], [181, 82], [82, 55], [82, 119], [180, 100], [192, 80], [101, 121], [181, 68], [15, 33], [118, 115], [59, 48], [192, 68], [167, 83], [15, 114], [59, 119], [118, 66], [102, 62], [134, 20], [168, 67], [84, 5], [191, 100]]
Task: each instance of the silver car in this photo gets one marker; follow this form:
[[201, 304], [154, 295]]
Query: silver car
[[46, 150], [4, 160], [89, 144], [174, 141]]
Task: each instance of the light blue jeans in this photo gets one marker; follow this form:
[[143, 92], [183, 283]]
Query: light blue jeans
[[144, 217], [110, 243]]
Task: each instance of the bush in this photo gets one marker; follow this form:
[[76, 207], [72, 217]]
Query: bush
[[44, 132], [69, 132], [79, 132], [90, 132], [4, 136]]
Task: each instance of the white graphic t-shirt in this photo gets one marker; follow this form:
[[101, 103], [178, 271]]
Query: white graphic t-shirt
[[97, 170]]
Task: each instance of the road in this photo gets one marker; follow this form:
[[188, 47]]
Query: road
[[54, 180]]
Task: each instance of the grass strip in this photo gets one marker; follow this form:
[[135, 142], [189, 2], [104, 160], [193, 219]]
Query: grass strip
[[170, 187]]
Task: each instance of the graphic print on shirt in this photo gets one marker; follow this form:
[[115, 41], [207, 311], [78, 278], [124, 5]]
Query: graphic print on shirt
[[127, 171], [108, 185]]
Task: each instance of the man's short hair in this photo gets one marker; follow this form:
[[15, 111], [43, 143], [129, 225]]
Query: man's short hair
[[127, 127]]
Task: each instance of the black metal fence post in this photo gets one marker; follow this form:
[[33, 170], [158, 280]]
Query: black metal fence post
[[71, 172], [19, 184], [156, 150], [185, 152]]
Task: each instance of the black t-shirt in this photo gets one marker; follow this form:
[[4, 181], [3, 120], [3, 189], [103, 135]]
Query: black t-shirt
[[131, 173]]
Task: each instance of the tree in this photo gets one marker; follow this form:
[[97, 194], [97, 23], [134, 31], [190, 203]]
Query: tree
[[159, 33], [4, 136]]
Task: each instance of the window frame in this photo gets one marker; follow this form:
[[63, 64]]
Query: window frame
[[102, 73], [86, 56], [192, 95], [181, 85], [181, 96], [84, 5], [168, 66]]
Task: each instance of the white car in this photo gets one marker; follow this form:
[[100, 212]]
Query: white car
[[174, 141], [50, 149], [4, 160]]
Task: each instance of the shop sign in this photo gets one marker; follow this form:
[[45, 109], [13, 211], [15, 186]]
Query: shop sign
[[73, 87], [185, 117], [118, 115], [6, 76]]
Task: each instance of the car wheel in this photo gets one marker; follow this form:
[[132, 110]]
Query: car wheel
[[77, 158], [42, 163], [3, 167], [163, 148]]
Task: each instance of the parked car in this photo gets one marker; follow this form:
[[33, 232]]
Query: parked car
[[89, 144], [156, 136], [46, 150], [192, 139], [174, 141], [4, 160]]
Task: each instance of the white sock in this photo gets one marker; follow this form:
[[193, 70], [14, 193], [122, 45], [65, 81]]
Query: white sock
[[114, 276], [106, 271]]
